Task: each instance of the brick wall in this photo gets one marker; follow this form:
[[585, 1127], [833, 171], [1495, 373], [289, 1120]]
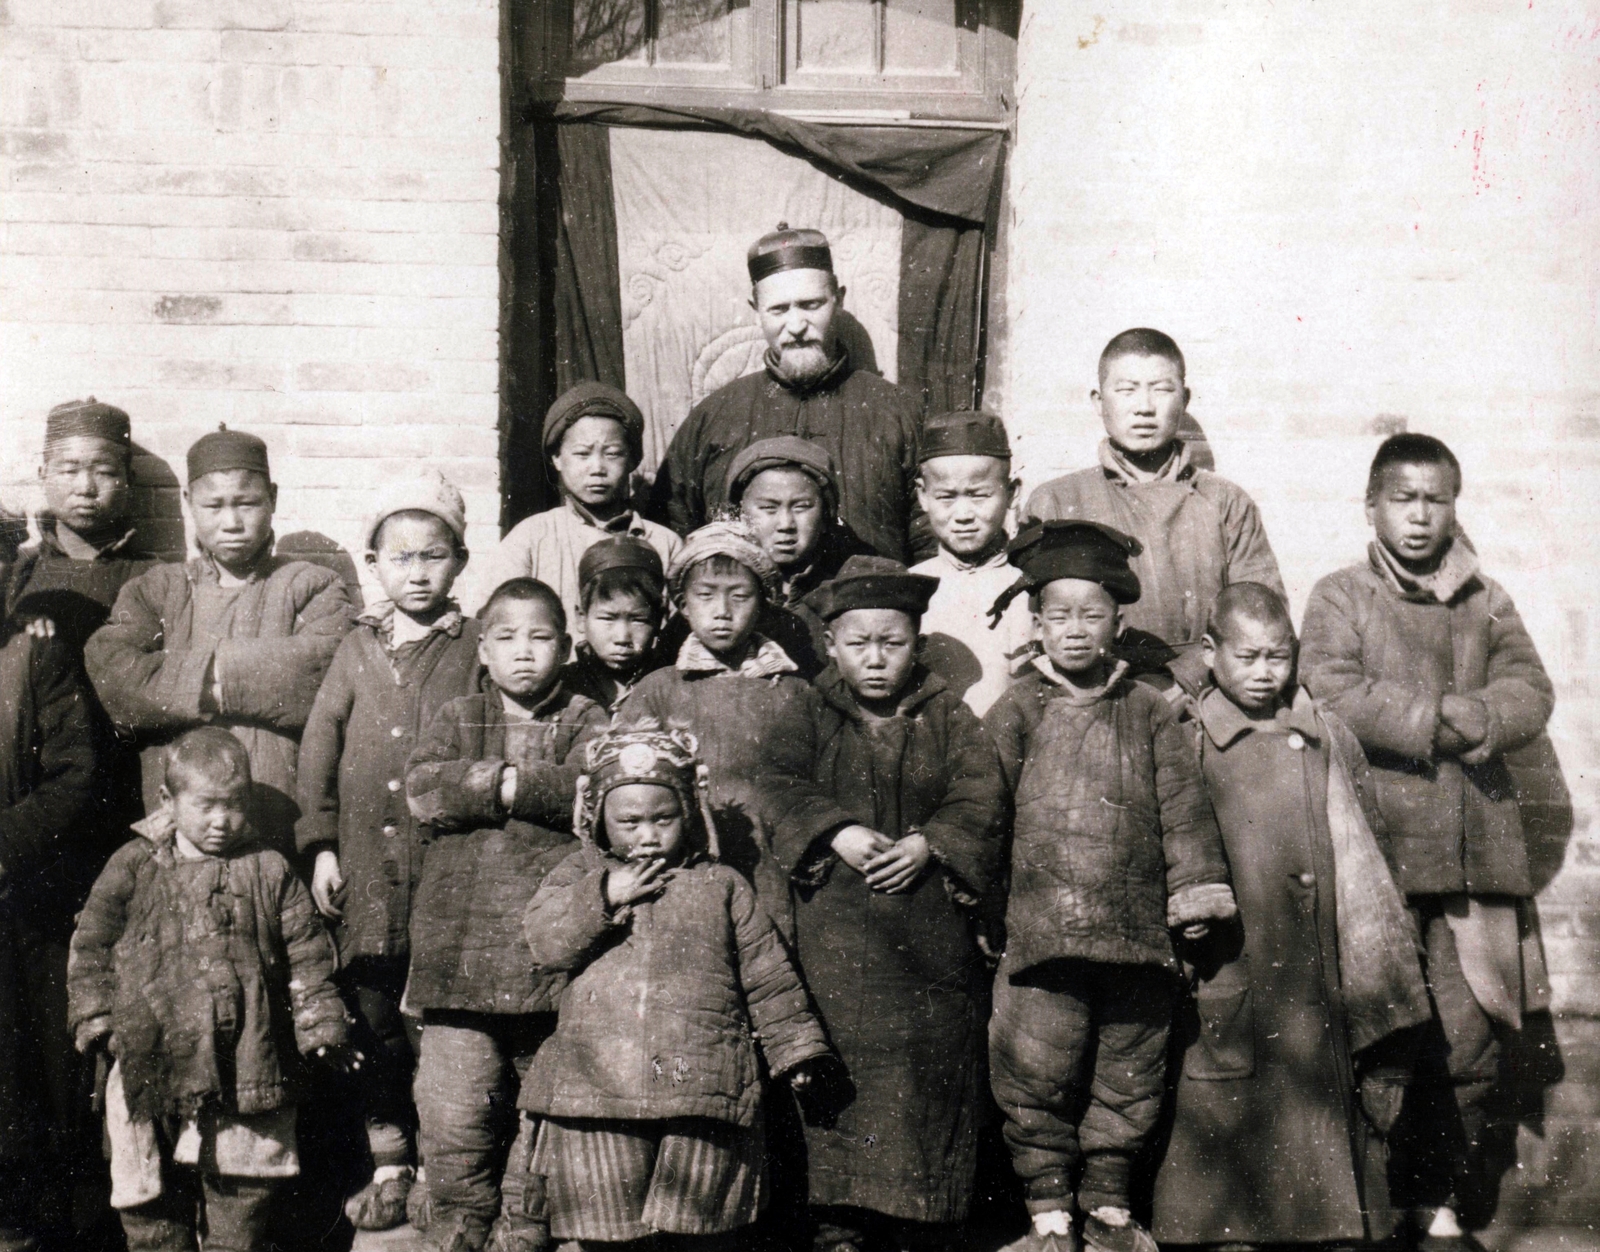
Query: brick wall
[[1351, 217], [280, 214]]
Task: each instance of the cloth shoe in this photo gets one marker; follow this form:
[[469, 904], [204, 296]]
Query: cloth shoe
[[382, 1205], [1130, 1237], [522, 1236], [418, 1211], [1033, 1241]]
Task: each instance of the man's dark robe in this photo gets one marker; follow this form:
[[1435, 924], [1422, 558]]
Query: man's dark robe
[[870, 427]]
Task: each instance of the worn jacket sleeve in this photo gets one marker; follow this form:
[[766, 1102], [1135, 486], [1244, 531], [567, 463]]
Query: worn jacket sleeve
[[1347, 748], [319, 1016], [141, 685], [274, 680], [91, 972], [1518, 694], [779, 1008], [1250, 556], [799, 810], [1189, 834], [545, 789], [445, 788], [964, 834], [567, 918], [40, 827], [321, 749], [1384, 715]]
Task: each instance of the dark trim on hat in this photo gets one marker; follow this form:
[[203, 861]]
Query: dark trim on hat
[[792, 257]]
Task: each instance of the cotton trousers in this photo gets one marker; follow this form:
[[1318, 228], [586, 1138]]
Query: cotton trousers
[[1436, 1141], [226, 1213], [1078, 1054], [468, 1076]]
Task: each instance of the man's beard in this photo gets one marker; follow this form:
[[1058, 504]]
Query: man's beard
[[801, 365]]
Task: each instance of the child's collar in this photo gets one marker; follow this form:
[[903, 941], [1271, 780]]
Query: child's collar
[[922, 685], [1074, 694], [259, 568], [764, 658], [624, 523], [995, 559], [1458, 568], [1225, 721], [511, 707], [381, 616], [1176, 468]]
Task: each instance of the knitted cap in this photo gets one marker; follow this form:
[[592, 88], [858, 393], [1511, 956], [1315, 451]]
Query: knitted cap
[[966, 433], [786, 249], [427, 491], [729, 537], [620, 552], [90, 418], [591, 399], [784, 452], [872, 582], [224, 449]]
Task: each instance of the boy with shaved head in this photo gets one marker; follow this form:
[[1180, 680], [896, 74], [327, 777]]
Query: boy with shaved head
[[1427, 660], [1199, 531], [1295, 1044]]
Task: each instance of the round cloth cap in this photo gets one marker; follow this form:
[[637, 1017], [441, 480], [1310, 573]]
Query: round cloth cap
[[786, 249], [1046, 551], [966, 433], [620, 552], [729, 537], [872, 582], [428, 491], [224, 449], [784, 452], [592, 399], [91, 418]]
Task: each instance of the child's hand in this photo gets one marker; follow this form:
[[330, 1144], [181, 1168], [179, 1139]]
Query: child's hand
[[508, 787], [41, 628], [858, 845], [800, 1078], [341, 1058], [327, 885], [1467, 717], [1197, 930], [634, 881], [898, 866]]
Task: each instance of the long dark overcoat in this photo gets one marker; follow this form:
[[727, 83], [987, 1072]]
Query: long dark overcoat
[[898, 978]]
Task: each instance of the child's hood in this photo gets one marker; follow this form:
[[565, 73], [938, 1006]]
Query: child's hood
[[645, 753]]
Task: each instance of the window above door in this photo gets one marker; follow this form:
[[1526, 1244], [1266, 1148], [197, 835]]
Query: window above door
[[894, 60]]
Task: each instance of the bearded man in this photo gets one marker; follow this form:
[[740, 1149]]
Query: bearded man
[[809, 389]]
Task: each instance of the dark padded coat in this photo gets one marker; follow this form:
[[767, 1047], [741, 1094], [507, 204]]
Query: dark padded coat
[[1110, 819], [367, 719], [670, 997], [869, 426], [151, 664], [212, 976], [482, 864], [898, 979], [1382, 662]]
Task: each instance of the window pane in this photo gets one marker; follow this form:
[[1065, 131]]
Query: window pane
[[692, 32], [607, 31], [920, 37], [833, 36]]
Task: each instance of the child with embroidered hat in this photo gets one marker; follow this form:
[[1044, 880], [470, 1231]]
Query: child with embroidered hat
[[965, 486], [1198, 532], [235, 637], [651, 1122], [884, 920], [1295, 1048], [594, 438], [1113, 845], [623, 603], [492, 780], [1427, 660], [408, 654]]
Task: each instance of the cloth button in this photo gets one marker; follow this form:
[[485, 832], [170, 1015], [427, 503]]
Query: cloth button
[[394, 784], [1296, 740], [1308, 879], [391, 830], [397, 732]]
